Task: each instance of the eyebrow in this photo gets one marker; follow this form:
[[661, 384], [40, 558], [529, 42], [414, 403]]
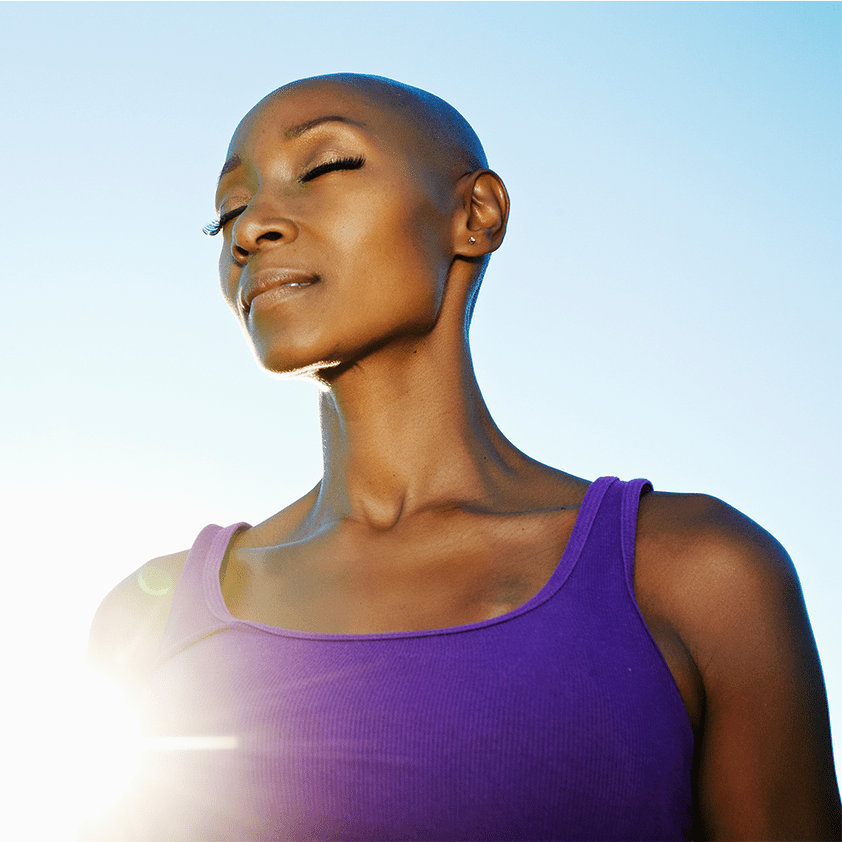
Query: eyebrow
[[290, 134], [297, 131], [231, 164]]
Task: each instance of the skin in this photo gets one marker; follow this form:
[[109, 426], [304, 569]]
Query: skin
[[427, 516]]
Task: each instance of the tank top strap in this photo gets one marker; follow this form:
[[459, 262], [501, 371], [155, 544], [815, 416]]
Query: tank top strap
[[190, 619], [607, 562], [632, 491]]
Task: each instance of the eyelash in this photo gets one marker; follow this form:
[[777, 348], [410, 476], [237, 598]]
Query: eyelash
[[338, 164], [214, 227]]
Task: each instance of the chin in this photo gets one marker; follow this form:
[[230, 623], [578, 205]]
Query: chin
[[322, 355], [286, 362], [284, 367], [286, 355]]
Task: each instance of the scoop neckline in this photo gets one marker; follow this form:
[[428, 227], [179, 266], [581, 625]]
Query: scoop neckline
[[569, 557]]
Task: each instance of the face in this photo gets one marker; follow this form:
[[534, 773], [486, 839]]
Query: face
[[336, 232]]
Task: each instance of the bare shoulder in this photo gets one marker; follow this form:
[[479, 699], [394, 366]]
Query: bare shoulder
[[730, 590], [700, 521], [129, 623], [723, 580], [695, 541]]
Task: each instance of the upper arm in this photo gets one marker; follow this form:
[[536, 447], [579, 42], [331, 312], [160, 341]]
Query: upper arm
[[129, 623], [764, 761]]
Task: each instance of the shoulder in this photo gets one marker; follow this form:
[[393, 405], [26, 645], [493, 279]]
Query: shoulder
[[700, 523], [721, 574], [129, 623], [730, 590], [726, 585], [697, 535]]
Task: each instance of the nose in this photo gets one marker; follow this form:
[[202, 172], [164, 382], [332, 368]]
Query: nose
[[257, 227]]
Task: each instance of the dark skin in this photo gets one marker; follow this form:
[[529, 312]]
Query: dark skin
[[427, 516]]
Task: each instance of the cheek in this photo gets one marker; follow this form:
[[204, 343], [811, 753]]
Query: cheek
[[431, 229], [229, 276], [399, 239]]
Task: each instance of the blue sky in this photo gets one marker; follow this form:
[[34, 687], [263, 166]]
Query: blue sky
[[667, 302]]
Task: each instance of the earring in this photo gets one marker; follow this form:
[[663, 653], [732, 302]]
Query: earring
[[472, 240]]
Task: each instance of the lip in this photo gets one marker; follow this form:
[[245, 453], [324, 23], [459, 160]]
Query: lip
[[267, 279]]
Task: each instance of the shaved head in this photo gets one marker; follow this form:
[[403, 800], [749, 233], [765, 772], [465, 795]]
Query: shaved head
[[451, 205], [448, 139]]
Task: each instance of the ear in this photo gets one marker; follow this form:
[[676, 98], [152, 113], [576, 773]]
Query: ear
[[484, 214]]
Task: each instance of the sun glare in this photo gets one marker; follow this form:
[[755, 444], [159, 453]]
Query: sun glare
[[106, 749], [108, 745]]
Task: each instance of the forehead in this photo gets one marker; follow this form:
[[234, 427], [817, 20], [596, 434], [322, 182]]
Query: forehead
[[287, 113]]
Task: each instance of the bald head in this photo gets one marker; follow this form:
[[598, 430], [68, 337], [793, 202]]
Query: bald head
[[447, 197], [447, 139]]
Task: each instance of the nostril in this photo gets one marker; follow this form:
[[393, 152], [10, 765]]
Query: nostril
[[271, 235]]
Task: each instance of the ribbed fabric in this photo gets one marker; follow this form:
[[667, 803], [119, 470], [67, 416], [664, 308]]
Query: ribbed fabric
[[557, 721]]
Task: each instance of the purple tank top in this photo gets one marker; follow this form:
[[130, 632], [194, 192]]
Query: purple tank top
[[557, 721]]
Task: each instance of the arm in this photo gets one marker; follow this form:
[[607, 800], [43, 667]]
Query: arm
[[764, 764]]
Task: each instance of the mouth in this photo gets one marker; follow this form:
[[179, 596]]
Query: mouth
[[274, 279]]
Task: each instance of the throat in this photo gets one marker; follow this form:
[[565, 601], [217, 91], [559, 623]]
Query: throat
[[396, 443]]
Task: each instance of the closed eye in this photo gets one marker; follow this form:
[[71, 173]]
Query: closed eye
[[339, 164], [213, 228]]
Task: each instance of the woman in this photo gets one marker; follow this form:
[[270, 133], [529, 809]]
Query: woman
[[401, 654]]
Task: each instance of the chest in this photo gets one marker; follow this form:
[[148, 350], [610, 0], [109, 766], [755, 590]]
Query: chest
[[434, 575], [441, 576]]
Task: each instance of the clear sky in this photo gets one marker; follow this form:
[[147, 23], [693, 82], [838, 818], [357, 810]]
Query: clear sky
[[667, 302]]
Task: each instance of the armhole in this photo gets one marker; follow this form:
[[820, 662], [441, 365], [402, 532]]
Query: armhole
[[629, 507]]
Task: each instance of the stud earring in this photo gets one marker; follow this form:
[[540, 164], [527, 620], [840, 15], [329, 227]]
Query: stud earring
[[472, 240]]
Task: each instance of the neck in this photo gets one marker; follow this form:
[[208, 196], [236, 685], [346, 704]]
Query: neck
[[407, 430]]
